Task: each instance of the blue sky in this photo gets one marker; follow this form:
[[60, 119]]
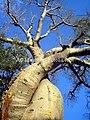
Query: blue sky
[[73, 110], [78, 6]]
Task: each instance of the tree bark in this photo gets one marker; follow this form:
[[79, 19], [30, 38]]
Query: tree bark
[[46, 103], [23, 91], [31, 96]]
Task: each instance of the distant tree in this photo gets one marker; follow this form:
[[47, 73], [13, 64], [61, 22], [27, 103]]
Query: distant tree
[[31, 95], [12, 59]]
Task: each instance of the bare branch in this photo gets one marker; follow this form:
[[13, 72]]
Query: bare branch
[[87, 41], [75, 60], [58, 68], [79, 69], [28, 32], [77, 75], [79, 51], [55, 26], [45, 35], [14, 19], [39, 5], [49, 30], [74, 42], [39, 29], [16, 23], [55, 8], [53, 14], [31, 24], [47, 12], [62, 19], [74, 89], [72, 52], [83, 72], [30, 27], [82, 42], [16, 42], [53, 51], [20, 43], [68, 24]]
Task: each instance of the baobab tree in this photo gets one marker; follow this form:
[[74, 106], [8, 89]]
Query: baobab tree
[[31, 95]]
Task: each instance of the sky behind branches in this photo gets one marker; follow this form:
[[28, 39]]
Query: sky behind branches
[[74, 109]]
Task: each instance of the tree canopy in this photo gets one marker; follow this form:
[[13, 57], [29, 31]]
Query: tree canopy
[[30, 26], [12, 59]]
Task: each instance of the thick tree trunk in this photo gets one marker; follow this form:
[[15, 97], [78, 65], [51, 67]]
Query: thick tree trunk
[[46, 103], [31, 96], [21, 100]]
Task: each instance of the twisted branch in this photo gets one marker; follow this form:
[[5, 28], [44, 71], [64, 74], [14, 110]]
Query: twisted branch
[[77, 75]]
